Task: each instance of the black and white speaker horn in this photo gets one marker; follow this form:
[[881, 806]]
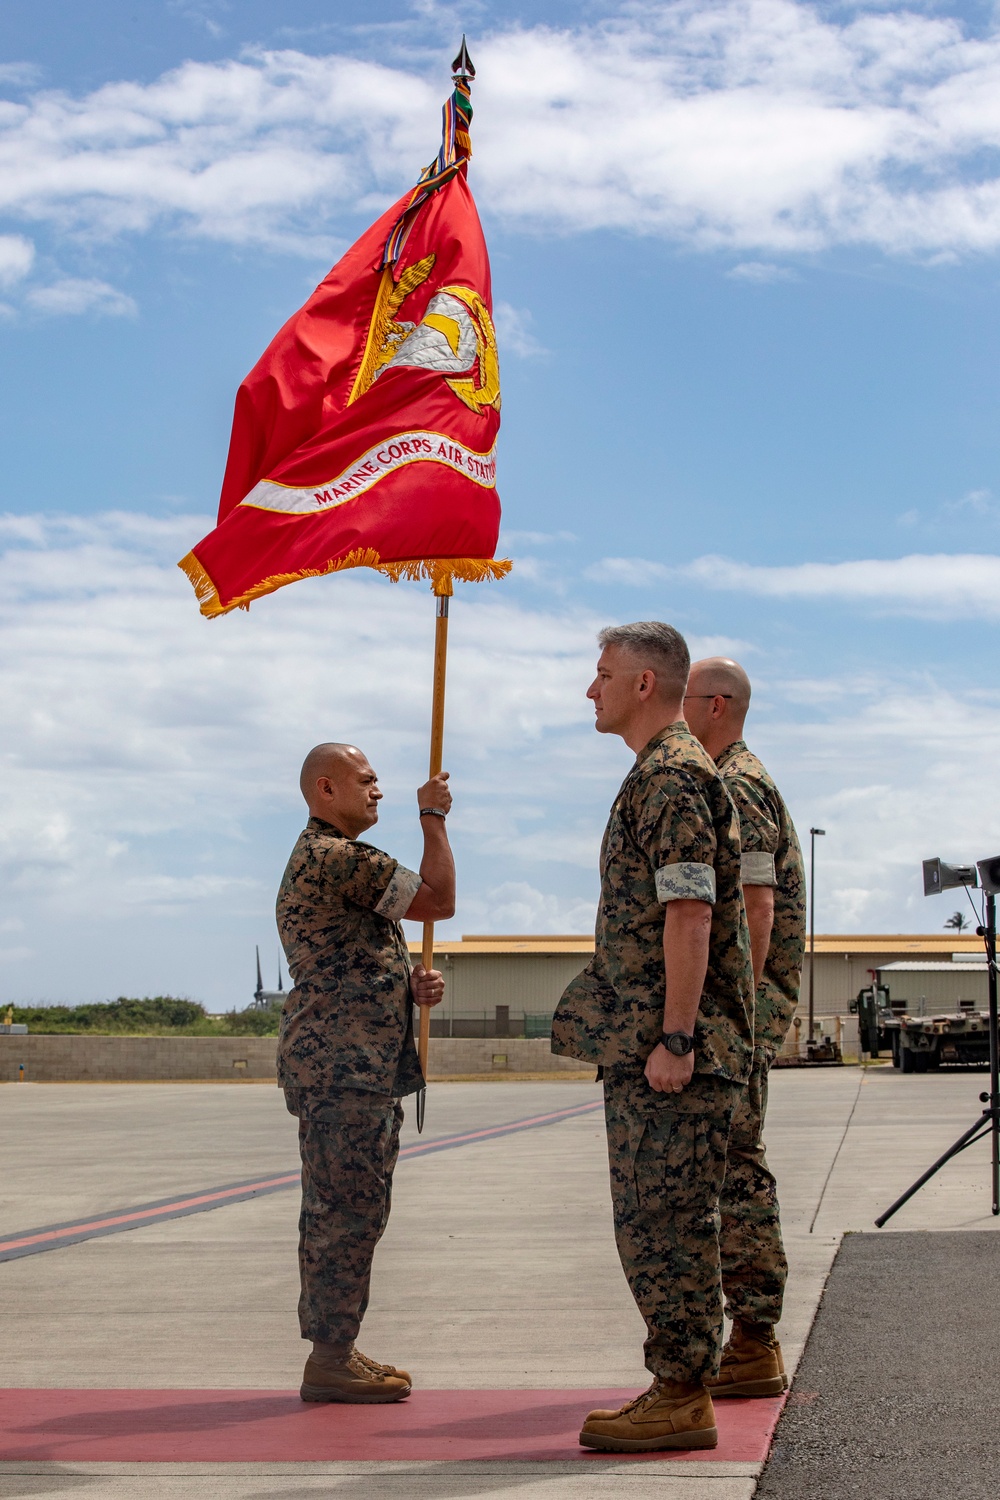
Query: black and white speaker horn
[[989, 874], [940, 877]]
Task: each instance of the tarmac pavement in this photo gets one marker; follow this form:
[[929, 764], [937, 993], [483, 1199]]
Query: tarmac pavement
[[897, 1393], [498, 1271]]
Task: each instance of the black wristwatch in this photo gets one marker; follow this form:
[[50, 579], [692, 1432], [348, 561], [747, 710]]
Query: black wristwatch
[[678, 1042]]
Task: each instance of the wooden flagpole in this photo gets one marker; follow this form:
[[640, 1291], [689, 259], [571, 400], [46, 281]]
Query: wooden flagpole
[[463, 73], [442, 593]]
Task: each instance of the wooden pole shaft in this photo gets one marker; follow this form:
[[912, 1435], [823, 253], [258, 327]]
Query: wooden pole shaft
[[442, 591]]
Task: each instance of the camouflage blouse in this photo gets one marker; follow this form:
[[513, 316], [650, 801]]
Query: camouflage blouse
[[771, 856], [348, 1023], [672, 835]]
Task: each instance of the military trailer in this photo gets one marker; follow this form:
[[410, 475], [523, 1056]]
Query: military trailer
[[927, 1013]]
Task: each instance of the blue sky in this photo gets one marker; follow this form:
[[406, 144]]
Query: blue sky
[[745, 268]]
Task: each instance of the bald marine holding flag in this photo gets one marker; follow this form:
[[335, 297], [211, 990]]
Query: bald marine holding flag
[[346, 1055], [365, 437]]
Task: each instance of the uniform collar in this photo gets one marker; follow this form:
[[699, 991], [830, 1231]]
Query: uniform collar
[[730, 753], [679, 726], [320, 825]]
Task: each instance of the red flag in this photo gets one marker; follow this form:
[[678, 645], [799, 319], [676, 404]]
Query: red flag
[[365, 436]]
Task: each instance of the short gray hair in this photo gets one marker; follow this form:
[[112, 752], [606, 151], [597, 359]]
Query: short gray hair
[[655, 645]]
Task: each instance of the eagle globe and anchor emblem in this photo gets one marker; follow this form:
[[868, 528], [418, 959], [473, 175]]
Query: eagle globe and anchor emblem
[[454, 338]]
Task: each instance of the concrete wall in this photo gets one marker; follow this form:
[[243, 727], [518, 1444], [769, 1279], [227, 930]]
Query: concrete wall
[[449, 1056], [120, 1059], [80, 1059]]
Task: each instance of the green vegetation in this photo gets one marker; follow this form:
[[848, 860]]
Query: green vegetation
[[159, 1015]]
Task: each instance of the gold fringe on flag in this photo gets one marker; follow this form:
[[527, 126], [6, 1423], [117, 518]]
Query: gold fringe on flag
[[440, 571]]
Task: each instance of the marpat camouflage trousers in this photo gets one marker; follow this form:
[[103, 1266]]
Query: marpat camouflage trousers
[[667, 1154], [349, 1141], [754, 1268]]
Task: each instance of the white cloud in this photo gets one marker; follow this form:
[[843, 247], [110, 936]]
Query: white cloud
[[945, 585], [756, 125], [113, 681], [535, 538], [633, 572], [148, 799], [720, 645], [201, 15], [165, 893], [15, 955], [250, 150], [893, 770], [760, 273], [959, 586], [73, 295], [514, 333], [517, 906], [19, 74], [977, 503], [16, 257]]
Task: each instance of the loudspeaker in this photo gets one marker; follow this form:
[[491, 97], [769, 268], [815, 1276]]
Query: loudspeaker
[[989, 874], [940, 877]]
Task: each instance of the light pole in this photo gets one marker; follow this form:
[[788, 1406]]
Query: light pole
[[814, 834]]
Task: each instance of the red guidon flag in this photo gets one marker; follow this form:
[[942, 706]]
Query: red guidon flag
[[365, 436]]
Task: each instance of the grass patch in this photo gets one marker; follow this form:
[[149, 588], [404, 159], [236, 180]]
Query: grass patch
[[156, 1015]]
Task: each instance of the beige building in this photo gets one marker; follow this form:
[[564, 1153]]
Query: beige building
[[846, 964], [925, 987], [503, 985]]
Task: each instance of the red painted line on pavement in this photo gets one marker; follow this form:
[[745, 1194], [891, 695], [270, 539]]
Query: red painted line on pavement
[[55, 1236], [175, 1426], [137, 1215]]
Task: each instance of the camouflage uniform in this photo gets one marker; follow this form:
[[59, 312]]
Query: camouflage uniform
[[754, 1267], [346, 1055], [672, 835]]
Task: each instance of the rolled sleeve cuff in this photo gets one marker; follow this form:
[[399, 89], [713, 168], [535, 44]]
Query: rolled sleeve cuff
[[685, 883], [757, 868], [398, 894]]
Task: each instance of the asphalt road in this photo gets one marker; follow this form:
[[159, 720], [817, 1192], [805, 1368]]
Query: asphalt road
[[897, 1397]]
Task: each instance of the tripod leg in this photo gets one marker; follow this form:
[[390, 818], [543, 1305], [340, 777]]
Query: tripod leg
[[974, 1132]]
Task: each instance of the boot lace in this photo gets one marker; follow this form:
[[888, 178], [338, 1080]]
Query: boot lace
[[371, 1366], [638, 1403]]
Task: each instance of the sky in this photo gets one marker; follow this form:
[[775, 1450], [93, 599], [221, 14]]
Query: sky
[[745, 263]]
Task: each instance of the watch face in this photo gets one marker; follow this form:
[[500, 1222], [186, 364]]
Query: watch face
[[679, 1045]]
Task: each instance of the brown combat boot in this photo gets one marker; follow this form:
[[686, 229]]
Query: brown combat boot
[[668, 1415], [356, 1379], [751, 1363]]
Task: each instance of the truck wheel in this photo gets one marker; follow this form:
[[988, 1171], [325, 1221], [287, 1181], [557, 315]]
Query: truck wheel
[[920, 1061], [907, 1060], [895, 1051]]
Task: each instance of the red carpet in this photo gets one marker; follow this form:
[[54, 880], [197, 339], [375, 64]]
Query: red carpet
[[275, 1426]]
